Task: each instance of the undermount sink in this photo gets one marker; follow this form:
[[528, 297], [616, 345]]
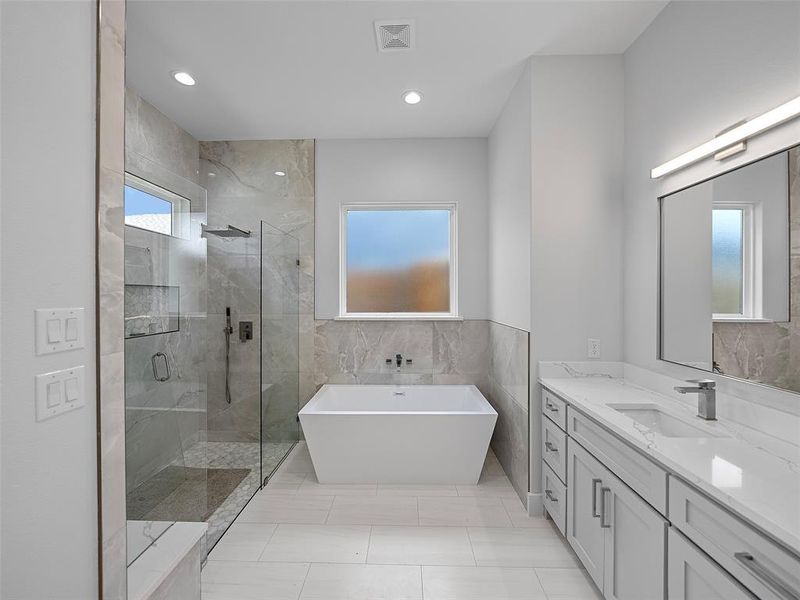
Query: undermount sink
[[653, 418]]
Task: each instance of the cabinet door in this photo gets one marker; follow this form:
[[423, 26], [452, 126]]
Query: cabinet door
[[585, 477], [635, 544], [694, 576]]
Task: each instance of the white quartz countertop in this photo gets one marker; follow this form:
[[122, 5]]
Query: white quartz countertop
[[761, 486]]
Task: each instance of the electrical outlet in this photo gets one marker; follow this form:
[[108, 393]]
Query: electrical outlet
[[593, 348]]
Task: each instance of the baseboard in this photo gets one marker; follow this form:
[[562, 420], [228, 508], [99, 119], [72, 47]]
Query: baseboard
[[535, 504]]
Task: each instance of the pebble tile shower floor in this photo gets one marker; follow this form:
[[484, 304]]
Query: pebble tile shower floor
[[301, 540]]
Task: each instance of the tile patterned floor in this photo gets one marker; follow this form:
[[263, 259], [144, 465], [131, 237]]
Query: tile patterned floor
[[300, 540]]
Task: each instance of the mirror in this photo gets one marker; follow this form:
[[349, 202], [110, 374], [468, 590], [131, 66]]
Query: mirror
[[730, 273]]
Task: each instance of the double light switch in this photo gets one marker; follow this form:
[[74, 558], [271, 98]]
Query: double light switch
[[59, 329], [59, 391]]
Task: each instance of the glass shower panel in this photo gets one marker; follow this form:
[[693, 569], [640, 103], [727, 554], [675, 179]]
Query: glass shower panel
[[280, 370], [165, 381], [233, 433]]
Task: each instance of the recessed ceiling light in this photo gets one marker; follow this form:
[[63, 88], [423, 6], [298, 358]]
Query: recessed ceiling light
[[183, 78], [210, 174], [412, 97], [280, 173]]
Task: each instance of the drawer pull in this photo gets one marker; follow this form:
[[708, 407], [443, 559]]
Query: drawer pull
[[549, 494], [594, 497], [550, 447], [551, 407], [603, 523], [763, 574]]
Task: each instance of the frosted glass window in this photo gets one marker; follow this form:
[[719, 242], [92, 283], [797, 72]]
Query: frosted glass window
[[727, 261], [398, 261]]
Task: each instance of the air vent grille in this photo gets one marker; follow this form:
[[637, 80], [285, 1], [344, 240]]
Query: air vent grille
[[395, 35]]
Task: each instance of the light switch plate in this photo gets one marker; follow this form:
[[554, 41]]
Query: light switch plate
[[51, 392], [59, 329]]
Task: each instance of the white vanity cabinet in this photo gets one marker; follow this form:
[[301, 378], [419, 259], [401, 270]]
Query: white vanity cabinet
[[642, 532], [692, 575], [619, 538]]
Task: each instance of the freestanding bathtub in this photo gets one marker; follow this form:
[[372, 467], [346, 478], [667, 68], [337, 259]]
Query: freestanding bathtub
[[398, 434]]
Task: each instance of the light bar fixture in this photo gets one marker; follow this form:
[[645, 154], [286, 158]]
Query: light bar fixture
[[730, 138]]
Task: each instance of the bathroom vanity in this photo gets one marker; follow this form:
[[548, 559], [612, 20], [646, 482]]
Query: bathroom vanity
[[658, 503]]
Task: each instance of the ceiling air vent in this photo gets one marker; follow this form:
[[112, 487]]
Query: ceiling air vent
[[396, 35]]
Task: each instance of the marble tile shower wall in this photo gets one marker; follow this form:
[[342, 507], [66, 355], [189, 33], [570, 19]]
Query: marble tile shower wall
[[491, 356], [769, 352], [243, 191], [164, 418]]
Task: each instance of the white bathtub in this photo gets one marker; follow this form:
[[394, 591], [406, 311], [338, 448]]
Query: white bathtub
[[398, 434]]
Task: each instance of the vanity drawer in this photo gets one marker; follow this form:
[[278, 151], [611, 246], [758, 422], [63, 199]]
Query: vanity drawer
[[555, 498], [554, 448], [554, 408], [765, 568], [644, 476]]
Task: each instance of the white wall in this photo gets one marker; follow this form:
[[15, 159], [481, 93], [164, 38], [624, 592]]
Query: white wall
[[700, 67], [576, 203], [407, 170], [49, 499], [577, 121], [510, 209]]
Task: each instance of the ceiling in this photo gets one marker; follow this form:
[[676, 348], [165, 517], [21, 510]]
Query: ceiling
[[311, 69]]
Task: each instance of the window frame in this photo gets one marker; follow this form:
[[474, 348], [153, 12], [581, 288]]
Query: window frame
[[752, 273], [453, 314], [179, 225]]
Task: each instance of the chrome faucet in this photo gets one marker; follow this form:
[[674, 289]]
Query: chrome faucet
[[399, 359], [706, 397]]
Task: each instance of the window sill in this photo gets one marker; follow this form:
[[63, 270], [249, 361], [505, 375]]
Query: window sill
[[389, 317], [740, 320]]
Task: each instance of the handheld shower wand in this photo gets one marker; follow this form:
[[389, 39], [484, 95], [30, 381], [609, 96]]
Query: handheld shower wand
[[228, 332]]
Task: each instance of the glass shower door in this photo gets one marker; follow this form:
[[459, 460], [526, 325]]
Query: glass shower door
[[280, 358]]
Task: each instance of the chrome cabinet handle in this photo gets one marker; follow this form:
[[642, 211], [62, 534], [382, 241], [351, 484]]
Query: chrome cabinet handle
[[550, 447], [549, 494], [594, 497], [550, 407], [765, 576], [603, 523], [154, 361]]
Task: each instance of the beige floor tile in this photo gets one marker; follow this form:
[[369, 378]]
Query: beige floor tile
[[318, 543], [400, 489], [242, 541], [362, 582], [568, 584], [310, 486], [480, 583], [519, 515], [496, 485], [234, 580], [420, 546], [462, 511], [374, 510], [503, 547], [286, 509]]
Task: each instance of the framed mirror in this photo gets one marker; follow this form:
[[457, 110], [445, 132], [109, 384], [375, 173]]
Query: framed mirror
[[729, 297]]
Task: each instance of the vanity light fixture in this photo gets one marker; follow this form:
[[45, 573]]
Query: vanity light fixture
[[412, 97], [183, 78], [280, 173], [731, 139]]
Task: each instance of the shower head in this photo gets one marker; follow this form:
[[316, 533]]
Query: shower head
[[231, 231]]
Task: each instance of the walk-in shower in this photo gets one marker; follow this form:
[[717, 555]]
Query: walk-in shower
[[209, 414]]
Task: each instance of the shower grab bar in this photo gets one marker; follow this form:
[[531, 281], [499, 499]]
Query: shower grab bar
[[155, 366]]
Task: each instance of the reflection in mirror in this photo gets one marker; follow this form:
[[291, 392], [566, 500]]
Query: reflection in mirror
[[730, 273]]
